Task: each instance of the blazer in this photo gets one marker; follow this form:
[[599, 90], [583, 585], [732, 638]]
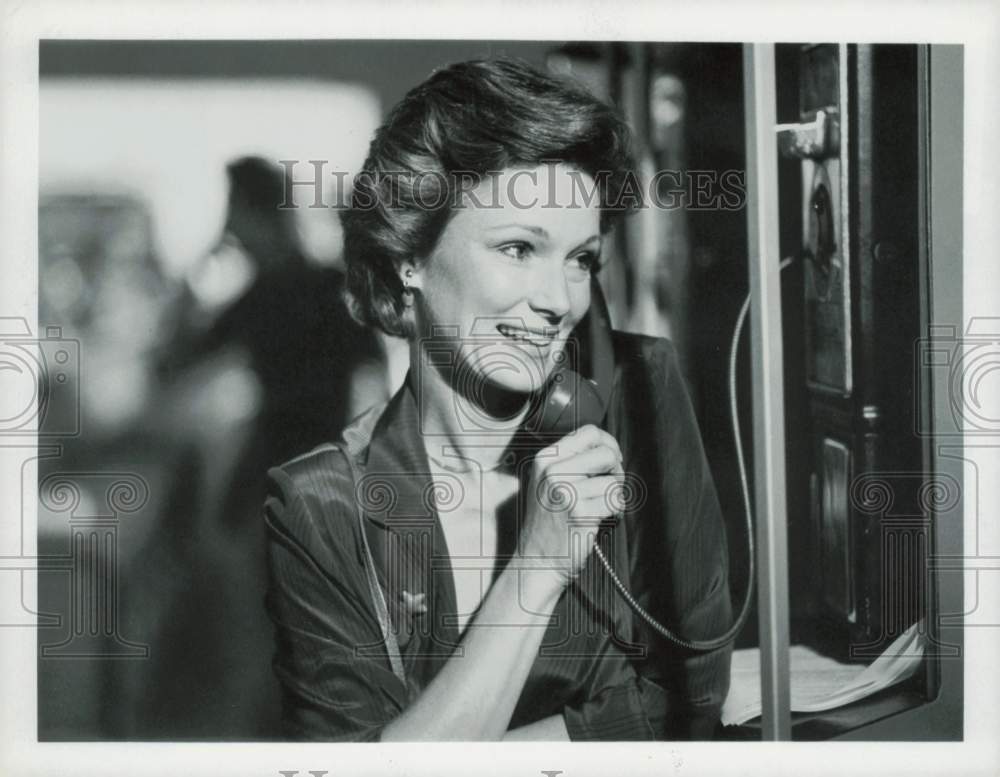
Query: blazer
[[600, 666]]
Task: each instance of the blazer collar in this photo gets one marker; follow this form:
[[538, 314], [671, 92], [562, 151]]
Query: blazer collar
[[397, 495], [397, 466]]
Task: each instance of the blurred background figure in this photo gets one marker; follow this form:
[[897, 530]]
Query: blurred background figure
[[254, 299], [197, 384], [316, 367]]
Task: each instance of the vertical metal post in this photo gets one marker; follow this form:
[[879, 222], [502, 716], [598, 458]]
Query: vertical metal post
[[768, 388]]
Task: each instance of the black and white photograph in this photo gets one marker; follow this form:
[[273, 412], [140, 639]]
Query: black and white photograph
[[366, 388]]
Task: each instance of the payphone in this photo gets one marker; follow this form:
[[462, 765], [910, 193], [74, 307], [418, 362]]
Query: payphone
[[855, 140]]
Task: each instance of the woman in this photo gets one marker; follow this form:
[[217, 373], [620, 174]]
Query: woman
[[427, 580]]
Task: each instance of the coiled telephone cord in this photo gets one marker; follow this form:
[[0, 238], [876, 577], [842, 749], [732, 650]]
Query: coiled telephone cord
[[730, 635]]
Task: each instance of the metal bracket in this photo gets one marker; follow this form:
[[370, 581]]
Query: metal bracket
[[816, 139]]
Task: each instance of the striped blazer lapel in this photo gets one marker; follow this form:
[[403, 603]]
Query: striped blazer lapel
[[396, 496]]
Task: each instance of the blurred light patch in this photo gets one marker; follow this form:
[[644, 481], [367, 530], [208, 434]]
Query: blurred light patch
[[223, 276], [667, 100]]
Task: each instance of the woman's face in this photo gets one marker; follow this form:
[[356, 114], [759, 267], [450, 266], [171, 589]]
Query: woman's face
[[509, 277]]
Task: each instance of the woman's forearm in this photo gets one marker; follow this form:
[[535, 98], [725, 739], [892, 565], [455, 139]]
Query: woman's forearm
[[474, 694]]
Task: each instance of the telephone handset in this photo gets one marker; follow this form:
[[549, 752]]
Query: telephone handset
[[578, 394]]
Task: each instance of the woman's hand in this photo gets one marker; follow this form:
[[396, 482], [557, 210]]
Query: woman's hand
[[574, 485]]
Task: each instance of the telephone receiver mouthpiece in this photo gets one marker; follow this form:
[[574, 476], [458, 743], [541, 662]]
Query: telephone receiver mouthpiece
[[569, 402]]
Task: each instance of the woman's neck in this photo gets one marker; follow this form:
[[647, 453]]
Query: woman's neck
[[469, 419]]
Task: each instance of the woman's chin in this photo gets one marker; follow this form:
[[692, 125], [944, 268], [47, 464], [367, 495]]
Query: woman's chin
[[510, 370], [520, 385]]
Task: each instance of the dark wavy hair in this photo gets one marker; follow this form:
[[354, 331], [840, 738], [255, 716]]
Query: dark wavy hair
[[471, 118]]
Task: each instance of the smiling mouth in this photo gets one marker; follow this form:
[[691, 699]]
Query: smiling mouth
[[536, 337]]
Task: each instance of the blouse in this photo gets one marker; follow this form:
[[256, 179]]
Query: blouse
[[600, 666]]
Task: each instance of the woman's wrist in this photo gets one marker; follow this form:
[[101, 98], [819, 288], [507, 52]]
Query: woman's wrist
[[539, 585]]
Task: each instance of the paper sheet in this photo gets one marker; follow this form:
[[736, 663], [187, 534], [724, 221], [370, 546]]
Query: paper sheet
[[819, 683]]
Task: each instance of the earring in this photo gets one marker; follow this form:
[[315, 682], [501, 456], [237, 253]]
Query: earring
[[407, 291]]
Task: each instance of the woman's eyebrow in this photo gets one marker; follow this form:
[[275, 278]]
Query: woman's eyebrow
[[543, 233], [588, 241]]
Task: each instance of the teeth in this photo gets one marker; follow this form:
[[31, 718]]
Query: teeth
[[517, 334]]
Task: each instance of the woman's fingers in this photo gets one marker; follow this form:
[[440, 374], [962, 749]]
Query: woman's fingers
[[580, 497], [588, 436], [577, 484], [591, 461], [586, 484]]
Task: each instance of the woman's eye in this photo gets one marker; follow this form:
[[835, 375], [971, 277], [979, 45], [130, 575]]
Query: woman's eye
[[589, 261], [519, 251]]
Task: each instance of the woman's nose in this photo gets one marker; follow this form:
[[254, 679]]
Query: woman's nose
[[549, 295]]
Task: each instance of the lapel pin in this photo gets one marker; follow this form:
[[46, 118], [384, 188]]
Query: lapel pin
[[415, 604]]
